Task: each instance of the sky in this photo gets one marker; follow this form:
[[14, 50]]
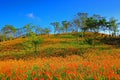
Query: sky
[[43, 12]]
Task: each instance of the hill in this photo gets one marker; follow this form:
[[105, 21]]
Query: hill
[[60, 57], [56, 45]]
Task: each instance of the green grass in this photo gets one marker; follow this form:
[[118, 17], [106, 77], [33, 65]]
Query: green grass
[[67, 44]]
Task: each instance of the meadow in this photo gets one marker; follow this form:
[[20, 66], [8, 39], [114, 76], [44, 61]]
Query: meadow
[[61, 57], [54, 40]]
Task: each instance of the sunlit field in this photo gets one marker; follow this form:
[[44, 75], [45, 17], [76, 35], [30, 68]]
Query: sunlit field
[[59, 40], [59, 58], [92, 67]]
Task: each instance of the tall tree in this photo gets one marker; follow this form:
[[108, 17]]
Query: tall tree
[[47, 31], [103, 24], [9, 31], [113, 26], [39, 30], [62, 29], [56, 26], [77, 23], [80, 22], [66, 25], [93, 25], [83, 17], [28, 28]]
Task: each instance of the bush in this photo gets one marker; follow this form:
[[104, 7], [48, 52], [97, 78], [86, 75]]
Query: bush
[[89, 41], [32, 43], [80, 35]]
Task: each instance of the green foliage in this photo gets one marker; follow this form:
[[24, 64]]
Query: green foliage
[[32, 43], [66, 25], [89, 41], [55, 78], [29, 75], [8, 31], [3, 37], [56, 26], [35, 41], [102, 78], [81, 35], [81, 43], [67, 36], [89, 78], [118, 71], [0, 77]]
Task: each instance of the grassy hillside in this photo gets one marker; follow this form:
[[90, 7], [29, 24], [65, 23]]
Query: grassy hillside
[[58, 45], [60, 57]]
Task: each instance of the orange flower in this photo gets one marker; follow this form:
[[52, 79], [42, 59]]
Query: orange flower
[[24, 76], [35, 79], [33, 73], [42, 79]]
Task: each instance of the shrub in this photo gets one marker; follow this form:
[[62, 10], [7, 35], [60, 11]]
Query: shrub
[[89, 41], [118, 71], [33, 42]]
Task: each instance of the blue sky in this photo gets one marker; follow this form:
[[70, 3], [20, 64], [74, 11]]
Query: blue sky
[[43, 12]]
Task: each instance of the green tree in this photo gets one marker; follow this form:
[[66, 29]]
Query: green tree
[[39, 30], [80, 22], [77, 23], [47, 31], [9, 31], [2, 37], [28, 28], [56, 26], [35, 41], [113, 26], [62, 29], [83, 17], [66, 25], [20, 32], [103, 24], [93, 25]]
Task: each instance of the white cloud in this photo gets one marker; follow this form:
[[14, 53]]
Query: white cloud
[[31, 15]]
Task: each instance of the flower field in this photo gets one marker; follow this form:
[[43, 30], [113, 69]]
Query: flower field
[[59, 58], [94, 67], [85, 46]]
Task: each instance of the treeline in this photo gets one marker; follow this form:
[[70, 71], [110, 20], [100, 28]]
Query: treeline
[[9, 32], [82, 22]]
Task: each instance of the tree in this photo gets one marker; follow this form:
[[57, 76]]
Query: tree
[[35, 41], [32, 43], [20, 32], [80, 22], [62, 29], [34, 29], [77, 23], [103, 24], [47, 31], [39, 30], [56, 26], [113, 26], [66, 25], [93, 25], [9, 31], [2, 37], [28, 28], [83, 17]]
